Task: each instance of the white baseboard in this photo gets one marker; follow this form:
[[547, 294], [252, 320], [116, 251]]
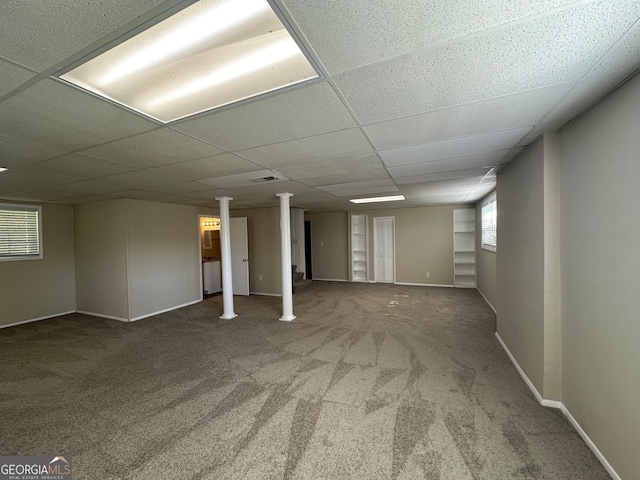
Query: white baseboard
[[266, 294], [31, 320], [488, 302], [423, 284], [147, 315], [108, 317], [330, 279], [555, 404], [589, 443], [529, 383]]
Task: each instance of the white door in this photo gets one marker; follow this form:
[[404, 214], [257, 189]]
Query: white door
[[384, 249], [239, 255]]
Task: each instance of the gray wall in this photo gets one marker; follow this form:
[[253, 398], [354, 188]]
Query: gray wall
[[135, 258], [163, 251], [424, 243], [35, 289], [101, 259], [485, 262], [600, 245], [263, 232], [329, 244], [528, 264], [520, 261]]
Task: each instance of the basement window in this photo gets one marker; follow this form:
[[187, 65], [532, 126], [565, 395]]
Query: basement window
[[490, 223], [20, 232]]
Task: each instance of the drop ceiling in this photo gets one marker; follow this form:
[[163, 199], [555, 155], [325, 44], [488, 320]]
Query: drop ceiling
[[426, 99]]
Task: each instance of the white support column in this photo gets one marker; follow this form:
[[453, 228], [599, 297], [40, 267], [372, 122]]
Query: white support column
[[285, 241], [225, 247]]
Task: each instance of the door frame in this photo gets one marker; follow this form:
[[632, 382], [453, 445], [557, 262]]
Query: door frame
[[375, 246]]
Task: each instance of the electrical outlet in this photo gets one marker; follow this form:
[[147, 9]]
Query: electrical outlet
[[428, 274]]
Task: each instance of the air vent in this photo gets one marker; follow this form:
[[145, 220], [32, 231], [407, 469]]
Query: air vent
[[264, 179]]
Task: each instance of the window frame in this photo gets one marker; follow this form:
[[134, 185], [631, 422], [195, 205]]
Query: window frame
[[492, 202], [25, 256]]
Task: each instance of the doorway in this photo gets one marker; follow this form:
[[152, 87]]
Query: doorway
[[211, 252], [307, 250], [384, 240]]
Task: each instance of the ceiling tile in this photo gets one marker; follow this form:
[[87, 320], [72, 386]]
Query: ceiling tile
[[352, 185], [448, 165], [301, 112], [16, 153], [517, 110], [40, 34], [12, 76], [444, 184], [369, 191], [310, 149], [182, 187], [247, 179], [84, 188], [372, 31], [79, 166], [338, 166], [54, 114], [138, 179], [434, 177], [216, 166], [618, 64], [544, 51], [376, 174], [32, 179], [159, 147], [456, 147]]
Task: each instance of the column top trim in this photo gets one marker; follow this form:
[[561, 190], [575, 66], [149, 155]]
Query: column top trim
[[224, 199], [284, 195]]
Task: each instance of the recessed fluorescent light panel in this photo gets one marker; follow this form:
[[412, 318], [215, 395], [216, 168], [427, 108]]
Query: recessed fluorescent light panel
[[393, 198], [210, 54]]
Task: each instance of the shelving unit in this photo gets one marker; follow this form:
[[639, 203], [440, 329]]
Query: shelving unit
[[464, 248], [359, 248]]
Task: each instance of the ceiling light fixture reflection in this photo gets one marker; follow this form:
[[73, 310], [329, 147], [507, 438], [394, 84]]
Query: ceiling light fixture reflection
[[269, 55], [210, 54], [393, 198], [213, 20]]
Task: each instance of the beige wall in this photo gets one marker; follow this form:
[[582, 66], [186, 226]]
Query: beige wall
[[35, 289], [101, 259], [136, 258], [329, 245], [424, 243], [164, 256], [600, 245], [520, 261], [485, 262], [263, 231]]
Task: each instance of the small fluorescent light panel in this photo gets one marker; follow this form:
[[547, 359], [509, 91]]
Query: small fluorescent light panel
[[210, 54], [392, 198]]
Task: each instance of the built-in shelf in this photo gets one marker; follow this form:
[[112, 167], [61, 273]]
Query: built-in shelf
[[464, 248], [359, 248]]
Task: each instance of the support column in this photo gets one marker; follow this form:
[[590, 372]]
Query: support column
[[225, 247], [285, 244]]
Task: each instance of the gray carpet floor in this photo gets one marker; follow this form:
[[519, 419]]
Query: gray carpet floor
[[370, 381]]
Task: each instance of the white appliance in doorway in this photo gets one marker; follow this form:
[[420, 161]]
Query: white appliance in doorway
[[239, 255], [384, 266]]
